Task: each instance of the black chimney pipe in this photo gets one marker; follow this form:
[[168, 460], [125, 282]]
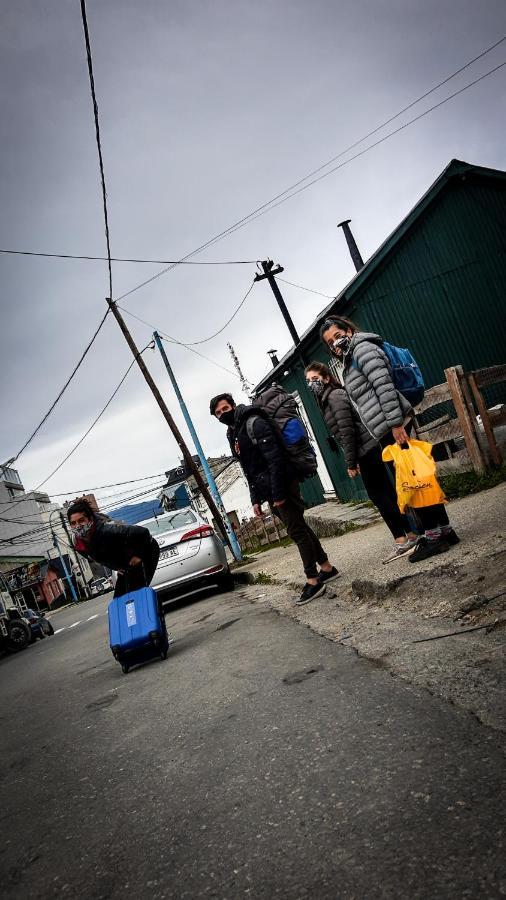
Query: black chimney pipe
[[358, 262], [274, 357]]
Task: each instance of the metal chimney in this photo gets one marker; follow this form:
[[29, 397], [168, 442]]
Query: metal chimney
[[358, 262], [274, 357]]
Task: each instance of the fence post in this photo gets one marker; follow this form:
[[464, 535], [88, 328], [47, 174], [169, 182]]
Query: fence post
[[454, 377], [495, 452]]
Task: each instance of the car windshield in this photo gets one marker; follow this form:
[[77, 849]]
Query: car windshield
[[180, 519]]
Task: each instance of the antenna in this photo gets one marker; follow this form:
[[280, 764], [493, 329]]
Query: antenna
[[246, 385]]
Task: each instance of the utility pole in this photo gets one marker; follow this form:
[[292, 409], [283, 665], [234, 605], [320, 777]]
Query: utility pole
[[190, 464], [64, 567], [234, 543], [269, 273]]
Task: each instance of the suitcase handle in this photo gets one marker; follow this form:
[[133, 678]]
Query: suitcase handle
[[126, 571]]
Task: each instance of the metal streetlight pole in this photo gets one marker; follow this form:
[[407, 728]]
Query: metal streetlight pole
[[213, 487]]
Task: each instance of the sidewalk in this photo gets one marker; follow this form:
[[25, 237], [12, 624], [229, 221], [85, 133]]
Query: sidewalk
[[379, 610]]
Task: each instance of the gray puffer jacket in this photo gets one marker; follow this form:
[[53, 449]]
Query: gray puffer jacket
[[344, 424], [368, 381]]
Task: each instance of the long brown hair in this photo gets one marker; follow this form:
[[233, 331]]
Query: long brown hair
[[324, 370], [339, 322]]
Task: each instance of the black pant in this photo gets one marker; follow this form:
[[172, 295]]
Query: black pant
[[380, 487], [428, 517], [138, 576], [291, 514]]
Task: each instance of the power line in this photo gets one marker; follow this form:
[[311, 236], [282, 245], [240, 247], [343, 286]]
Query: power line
[[84, 436], [381, 140], [89, 61], [310, 290], [64, 388], [161, 262], [86, 433], [222, 329], [102, 487], [172, 340], [270, 204]]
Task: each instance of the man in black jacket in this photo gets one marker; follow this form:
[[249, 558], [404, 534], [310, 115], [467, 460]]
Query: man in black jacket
[[258, 446], [119, 547]]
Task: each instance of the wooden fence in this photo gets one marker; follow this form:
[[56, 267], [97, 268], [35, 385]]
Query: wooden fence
[[260, 532], [456, 426]]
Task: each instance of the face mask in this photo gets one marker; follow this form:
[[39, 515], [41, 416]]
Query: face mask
[[228, 417], [317, 387], [82, 530], [342, 344]]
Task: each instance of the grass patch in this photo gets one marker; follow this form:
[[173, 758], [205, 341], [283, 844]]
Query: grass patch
[[263, 578], [461, 484]]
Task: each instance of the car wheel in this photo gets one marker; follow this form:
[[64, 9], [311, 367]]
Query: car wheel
[[226, 582], [18, 635], [125, 669]]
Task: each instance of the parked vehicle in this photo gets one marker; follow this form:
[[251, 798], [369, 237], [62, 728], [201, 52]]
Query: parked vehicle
[[39, 625], [15, 633], [192, 555], [100, 586]]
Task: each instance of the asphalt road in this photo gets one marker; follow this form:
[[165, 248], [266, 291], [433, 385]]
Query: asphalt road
[[260, 760]]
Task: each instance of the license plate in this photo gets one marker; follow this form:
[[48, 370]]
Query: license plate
[[170, 551]]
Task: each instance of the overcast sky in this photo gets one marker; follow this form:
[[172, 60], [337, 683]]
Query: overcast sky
[[208, 109]]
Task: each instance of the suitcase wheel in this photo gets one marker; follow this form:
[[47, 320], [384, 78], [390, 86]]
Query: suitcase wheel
[[125, 668]]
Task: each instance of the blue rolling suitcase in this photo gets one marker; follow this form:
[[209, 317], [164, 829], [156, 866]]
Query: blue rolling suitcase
[[137, 630]]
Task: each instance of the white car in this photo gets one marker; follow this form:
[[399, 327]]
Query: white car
[[192, 555]]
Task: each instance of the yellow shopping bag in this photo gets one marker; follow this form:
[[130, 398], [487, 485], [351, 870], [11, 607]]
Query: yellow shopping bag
[[415, 475]]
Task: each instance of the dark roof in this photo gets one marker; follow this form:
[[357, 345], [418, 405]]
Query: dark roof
[[455, 169]]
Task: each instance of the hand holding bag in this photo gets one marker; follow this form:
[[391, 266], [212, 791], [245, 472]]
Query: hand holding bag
[[415, 475]]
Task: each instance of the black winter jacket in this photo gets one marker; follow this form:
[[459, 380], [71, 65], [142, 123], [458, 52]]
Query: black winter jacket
[[264, 462], [345, 425], [113, 545]]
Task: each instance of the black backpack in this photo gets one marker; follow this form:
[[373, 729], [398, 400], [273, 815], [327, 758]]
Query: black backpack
[[282, 411]]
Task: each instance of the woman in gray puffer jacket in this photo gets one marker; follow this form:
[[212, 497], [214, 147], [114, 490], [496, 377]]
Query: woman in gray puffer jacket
[[362, 452], [385, 413]]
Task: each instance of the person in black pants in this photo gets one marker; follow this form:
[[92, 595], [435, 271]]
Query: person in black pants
[[384, 411], [362, 453], [271, 479], [128, 549]]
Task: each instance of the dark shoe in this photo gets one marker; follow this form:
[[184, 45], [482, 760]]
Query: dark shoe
[[325, 577], [310, 592], [426, 548], [450, 537]]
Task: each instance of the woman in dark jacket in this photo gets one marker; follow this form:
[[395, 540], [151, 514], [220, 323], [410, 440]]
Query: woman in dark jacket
[[119, 547], [362, 452], [384, 412]]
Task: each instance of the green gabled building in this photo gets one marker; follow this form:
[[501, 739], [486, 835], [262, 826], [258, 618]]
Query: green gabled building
[[436, 285]]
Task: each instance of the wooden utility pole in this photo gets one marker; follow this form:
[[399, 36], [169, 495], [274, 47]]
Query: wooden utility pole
[[190, 462], [269, 273]]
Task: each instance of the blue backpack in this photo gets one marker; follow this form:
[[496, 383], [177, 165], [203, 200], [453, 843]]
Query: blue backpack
[[406, 373]]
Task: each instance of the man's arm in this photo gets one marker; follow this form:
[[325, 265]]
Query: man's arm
[[269, 446]]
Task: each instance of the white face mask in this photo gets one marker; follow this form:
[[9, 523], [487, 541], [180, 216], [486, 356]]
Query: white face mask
[[342, 344], [82, 530]]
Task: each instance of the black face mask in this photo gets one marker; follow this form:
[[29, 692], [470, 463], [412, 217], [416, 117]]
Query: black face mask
[[228, 417], [317, 387]]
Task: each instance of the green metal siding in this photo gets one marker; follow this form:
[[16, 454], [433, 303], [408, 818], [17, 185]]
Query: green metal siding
[[439, 289], [441, 292]]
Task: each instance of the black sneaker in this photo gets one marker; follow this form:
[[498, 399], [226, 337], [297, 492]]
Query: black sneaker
[[310, 592], [325, 577], [450, 537], [426, 548]]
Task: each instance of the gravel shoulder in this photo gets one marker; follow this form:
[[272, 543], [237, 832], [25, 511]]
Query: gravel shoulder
[[386, 612]]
